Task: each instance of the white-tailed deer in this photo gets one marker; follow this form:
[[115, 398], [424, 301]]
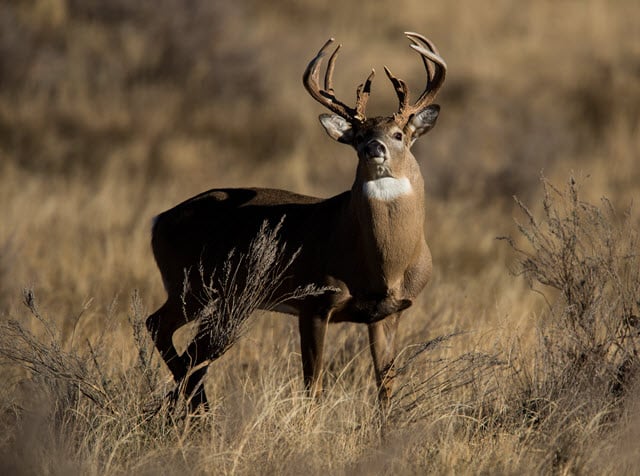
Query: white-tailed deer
[[367, 243]]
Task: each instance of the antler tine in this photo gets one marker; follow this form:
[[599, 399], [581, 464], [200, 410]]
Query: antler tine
[[421, 41], [436, 70], [402, 91], [418, 39], [437, 78], [362, 96], [325, 96], [328, 76]]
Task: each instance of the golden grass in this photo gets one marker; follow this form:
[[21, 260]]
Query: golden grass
[[111, 113]]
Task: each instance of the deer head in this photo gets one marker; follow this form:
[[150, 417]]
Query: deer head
[[382, 143]]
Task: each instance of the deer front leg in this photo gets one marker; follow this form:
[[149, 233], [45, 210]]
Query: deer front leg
[[382, 343], [312, 332]]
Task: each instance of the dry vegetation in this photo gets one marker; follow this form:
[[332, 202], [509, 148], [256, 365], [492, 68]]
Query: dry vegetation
[[111, 111]]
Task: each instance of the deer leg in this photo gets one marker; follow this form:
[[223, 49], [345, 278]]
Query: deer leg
[[196, 355], [312, 332], [382, 343], [161, 325], [192, 387], [194, 390]]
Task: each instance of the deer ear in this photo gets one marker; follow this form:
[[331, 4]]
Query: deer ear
[[423, 122], [337, 127]]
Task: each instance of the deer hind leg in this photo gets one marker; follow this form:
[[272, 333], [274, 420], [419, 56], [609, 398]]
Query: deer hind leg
[[198, 355], [162, 324], [382, 343], [312, 334]]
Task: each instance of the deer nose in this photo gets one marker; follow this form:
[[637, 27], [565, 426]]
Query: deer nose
[[375, 148]]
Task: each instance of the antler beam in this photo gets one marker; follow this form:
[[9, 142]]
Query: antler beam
[[434, 65], [326, 95], [436, 70]]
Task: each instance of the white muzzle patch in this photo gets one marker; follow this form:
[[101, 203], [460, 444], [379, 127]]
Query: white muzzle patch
[[387, 188]]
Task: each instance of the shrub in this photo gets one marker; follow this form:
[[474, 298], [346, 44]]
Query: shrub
[[245, 282], [588, 353]]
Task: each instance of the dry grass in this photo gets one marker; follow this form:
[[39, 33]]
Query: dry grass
[[111, 111], [244, 283]]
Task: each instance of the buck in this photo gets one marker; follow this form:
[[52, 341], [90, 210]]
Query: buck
[[366, 244]]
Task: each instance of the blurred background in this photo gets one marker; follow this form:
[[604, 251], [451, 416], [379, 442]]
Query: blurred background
[[167, 89], [112, 111]]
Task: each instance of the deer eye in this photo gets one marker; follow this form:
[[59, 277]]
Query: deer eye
[[397, 136]]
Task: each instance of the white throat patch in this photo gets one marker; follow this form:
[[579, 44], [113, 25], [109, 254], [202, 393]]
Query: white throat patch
[[387, 188]]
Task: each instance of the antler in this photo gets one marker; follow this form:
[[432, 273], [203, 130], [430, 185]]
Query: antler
[[436, 70], [326, 96]]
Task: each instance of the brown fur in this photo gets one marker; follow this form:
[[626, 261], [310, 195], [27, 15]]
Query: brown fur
[[372, 251]]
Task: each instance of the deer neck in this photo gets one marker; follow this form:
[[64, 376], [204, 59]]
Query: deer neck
[[389, 213]]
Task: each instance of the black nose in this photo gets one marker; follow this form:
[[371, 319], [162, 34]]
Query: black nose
[[375, 148]]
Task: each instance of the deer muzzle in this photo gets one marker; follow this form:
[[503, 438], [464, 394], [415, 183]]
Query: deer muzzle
[[375, 151]]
